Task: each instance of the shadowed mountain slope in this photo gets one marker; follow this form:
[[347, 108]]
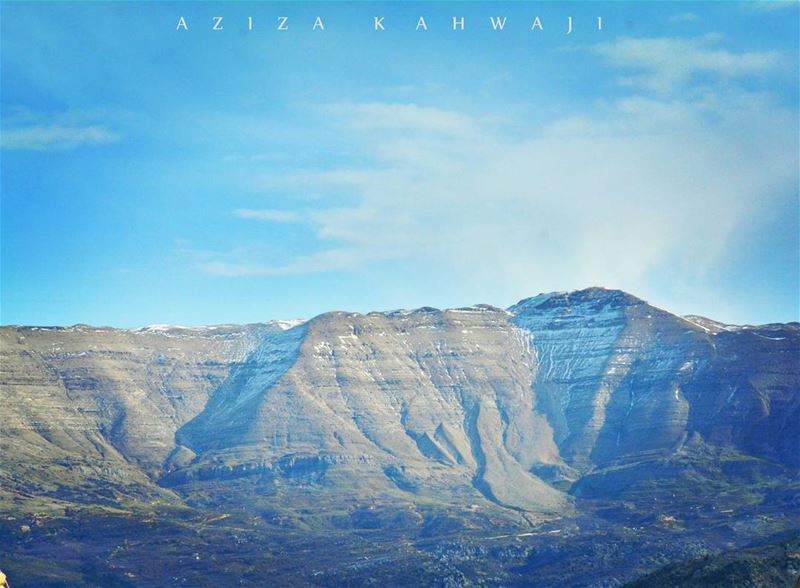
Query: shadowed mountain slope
[[592, 393], [576, 438]]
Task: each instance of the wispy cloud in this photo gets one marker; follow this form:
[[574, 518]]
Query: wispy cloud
[[269, 215], [377, 115], [344, 258], [667, 63], [648, 184], [60, 132], [683, 17], [767, 5], [252, 158]]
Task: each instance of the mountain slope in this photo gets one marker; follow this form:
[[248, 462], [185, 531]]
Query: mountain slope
[[593, 391], [426, 400], [775, 564], [87, 411], [576, 437]]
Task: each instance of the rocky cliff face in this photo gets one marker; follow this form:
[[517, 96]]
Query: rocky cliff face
[[630, 387], [426, 400], [583, 393], [88, 410], [624, 379]]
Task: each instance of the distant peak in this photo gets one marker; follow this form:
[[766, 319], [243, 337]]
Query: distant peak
[[594, 296], [288, 324], [160, 328], [708, 325]]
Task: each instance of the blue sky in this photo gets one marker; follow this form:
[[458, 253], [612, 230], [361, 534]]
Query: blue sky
[[158, 176]]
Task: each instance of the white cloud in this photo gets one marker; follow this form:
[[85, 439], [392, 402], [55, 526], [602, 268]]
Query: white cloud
[[26, 130], [381, 116], [55, 137], [648, 186], [252, 158], [768, 5], [276, 216], [328, 260], [667, 63], [683, 17]]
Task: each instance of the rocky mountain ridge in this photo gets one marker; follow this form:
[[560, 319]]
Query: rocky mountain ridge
[[563, 394], [579, 437]]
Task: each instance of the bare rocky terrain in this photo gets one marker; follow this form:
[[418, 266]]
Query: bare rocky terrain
[[580, 438]]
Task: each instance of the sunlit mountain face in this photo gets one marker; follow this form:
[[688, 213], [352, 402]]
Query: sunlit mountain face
[[575, 438]]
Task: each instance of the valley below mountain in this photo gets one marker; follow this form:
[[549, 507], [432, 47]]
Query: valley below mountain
[[579, 438]]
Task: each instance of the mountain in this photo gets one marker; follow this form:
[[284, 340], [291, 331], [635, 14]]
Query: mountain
[[98, 407], [774, 564], [591, 410]]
